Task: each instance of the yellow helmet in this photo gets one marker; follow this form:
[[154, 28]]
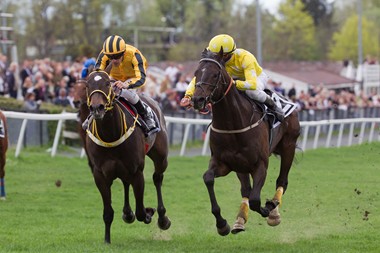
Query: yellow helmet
[[114, 44], [222, 40]]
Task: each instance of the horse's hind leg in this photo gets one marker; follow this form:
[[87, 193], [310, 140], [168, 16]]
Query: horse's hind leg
[[242, 216], [2, 180], [128, 214], [158, 177], [287, 157], [258, 182], [2, 188], [142, 213]]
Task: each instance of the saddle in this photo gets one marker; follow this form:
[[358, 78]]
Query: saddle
[[128, 108]]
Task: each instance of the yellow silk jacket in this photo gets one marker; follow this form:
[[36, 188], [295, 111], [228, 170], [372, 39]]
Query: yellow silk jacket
[[242, 67], [133, 67]]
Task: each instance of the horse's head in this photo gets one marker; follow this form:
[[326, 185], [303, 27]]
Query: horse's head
[[80, 96], [100, 94], [211, 79]]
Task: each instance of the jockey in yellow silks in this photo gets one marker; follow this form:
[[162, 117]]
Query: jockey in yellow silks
[[244, 69], [128, 68]]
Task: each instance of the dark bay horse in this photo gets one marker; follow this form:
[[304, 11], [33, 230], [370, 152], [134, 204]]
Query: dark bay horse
[[3, 151], [116, 147], [80, 102], [241, 141]]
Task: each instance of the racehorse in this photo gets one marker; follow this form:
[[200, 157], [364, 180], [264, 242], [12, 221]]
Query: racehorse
[[80, 102], [3, 151], [241, 140], [117, 149]]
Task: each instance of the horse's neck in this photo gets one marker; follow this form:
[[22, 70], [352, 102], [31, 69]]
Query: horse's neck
[[111, 126], [234, 111]]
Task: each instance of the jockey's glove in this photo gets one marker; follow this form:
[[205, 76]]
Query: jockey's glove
[[185, 101]]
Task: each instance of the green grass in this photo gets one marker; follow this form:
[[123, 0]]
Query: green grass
[[323, 210]]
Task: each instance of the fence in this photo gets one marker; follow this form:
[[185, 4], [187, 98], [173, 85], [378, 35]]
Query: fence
[[327, 133]]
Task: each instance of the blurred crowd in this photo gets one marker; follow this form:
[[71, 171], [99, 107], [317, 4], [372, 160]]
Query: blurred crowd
[[45, 80]]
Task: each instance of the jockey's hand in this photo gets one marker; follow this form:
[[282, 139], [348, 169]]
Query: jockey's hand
[[120, 85], [185, 101]]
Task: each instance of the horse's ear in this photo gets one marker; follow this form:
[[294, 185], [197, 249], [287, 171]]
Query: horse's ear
[[219, 56], [108, 68], [204, 53]]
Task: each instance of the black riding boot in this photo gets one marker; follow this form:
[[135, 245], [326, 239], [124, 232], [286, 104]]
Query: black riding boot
[[276, 110], [147, 115]]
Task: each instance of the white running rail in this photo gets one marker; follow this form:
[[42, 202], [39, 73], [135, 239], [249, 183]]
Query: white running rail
[[372, 123]]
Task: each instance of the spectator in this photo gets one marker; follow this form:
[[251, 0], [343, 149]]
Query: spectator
[[181, 86], [62, 99], [30, 103], [10, 80], [28, 84], [292, 94]]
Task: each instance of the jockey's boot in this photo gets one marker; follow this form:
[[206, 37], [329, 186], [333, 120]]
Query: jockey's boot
[[147, 115], [276, 110]]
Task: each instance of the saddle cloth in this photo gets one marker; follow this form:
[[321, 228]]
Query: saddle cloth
[[2, 129], [287, 107]]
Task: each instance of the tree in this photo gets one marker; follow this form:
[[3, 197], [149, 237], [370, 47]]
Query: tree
[[318, 9], [295, 33], [345, 41]]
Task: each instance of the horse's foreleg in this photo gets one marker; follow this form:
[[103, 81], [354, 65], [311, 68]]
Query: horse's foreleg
[[163, 221], [142, 213], [128, 214], [2, 188], [108, 213], [242, 216], [221, 224]]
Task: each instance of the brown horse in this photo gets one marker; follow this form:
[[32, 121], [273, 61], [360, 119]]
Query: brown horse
[[3, 151], [80, 102], [117, 149], [241, 140]]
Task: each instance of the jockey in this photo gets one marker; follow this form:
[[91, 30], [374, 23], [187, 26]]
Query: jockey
[[243, 67], [128, 68]]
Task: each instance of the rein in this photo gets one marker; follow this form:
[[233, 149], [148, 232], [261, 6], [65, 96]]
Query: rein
[[125, 132]]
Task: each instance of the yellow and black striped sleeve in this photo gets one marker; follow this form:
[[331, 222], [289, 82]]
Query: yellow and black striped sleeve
[[102, 61], [139, 67]]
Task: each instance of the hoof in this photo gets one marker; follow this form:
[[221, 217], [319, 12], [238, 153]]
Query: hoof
[[164, 223], [274, 217], [238, 226], [149, 214], [224, 230], [130, 218]]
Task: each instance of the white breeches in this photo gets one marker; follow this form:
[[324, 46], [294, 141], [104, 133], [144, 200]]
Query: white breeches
[[259, 94], [130, 95]]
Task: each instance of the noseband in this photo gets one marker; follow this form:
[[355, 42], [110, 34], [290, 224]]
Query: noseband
[[215, 85]]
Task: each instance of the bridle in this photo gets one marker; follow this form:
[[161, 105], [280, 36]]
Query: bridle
[[109, 97], [215, 85]]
